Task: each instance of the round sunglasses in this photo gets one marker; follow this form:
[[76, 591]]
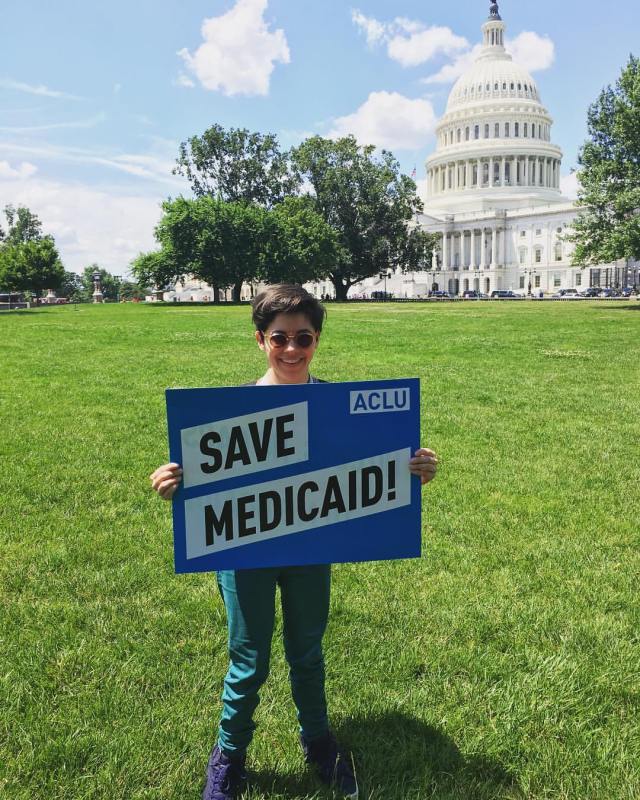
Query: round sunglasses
[[277, 339]]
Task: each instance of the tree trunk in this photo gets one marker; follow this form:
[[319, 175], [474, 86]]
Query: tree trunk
[[237, 290], [216, 294], [341, 289]]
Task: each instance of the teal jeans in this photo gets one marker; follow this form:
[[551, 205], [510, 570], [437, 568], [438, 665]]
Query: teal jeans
[[250, 600]]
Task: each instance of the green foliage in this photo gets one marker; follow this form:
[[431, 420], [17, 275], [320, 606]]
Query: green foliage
[[157, 268], [228, 243], [23, 226], [609, 226], [72, 287], [29, 261], [302, 246], [222, 243], [130, 290], [237, 166], [33, 265], [366, 201]]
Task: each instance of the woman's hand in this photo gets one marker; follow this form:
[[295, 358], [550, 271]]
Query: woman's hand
[[166, 479], [424, 464]]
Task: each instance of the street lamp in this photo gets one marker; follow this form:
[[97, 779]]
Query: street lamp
[[118, 280], [531, 273], [477, 275], [385, 274]]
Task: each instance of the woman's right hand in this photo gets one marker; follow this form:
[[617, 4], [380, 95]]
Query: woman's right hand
[[166, 479]]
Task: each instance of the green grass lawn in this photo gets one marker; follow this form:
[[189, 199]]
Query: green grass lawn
[[505, 663]]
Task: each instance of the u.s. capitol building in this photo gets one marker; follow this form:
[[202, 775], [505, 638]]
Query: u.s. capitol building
[[493, 187]]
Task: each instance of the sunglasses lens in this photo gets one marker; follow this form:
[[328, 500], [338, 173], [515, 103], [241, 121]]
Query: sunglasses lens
[[278, 339], [304, 340]]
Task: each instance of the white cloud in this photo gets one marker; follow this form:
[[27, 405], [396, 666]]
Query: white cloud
[[154, 166], [451, 72], [390, 120], [423, 45], [43, 91], [109, 227], [374, 31], [531, 51], [409, 42], [184, 81], [81, 123], [239, 52], [22, 171], [569, 185]]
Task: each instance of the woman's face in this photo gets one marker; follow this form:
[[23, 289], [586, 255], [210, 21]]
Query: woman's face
[[290, 363]]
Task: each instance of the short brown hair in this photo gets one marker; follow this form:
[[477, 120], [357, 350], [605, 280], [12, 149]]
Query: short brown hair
[[286, 298]]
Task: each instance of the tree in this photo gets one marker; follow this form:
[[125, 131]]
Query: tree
[[71, 286], [365, 200], [237, 166], [156, 268], [33, 266], [130, 290], [302, 247], [23, 226], [608, 227], [222, 243], [416, 252], [29, 261]]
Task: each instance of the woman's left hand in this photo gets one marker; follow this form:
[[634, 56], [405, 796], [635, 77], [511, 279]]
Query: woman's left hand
[[424, 464]]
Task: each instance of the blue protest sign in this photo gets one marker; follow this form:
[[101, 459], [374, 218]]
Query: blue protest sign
[[292, 475]]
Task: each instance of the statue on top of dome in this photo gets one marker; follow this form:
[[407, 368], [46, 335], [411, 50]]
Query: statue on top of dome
[[494, 11]]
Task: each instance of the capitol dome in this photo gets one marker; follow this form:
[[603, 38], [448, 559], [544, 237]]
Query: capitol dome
[[494, 145]]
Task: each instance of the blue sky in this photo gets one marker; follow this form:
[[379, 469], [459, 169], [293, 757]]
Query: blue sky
[[97, 97]]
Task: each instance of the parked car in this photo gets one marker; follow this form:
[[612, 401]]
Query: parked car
[[627, 291], [568, 294], [592, 291], [504, 294], [608, 293], [473, 294], [440, 294]]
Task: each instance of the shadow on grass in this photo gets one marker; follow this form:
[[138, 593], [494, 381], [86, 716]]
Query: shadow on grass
[[400, 758], [629, 307], [191, 305]]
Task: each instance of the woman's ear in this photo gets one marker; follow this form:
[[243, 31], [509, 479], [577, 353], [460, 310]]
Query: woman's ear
[[260, 339]]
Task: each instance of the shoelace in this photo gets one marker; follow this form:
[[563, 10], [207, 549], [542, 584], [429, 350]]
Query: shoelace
[[223, 779]]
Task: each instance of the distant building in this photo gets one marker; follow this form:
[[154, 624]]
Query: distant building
[[493, 189]]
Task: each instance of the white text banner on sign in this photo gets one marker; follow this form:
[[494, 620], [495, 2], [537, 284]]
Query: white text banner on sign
[[246, 515], [229, 448]]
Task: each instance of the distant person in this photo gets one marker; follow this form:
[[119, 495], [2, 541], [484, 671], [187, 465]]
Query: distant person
[[288, 323]]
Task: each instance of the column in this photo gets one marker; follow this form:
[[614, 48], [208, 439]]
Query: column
[[468, 169], [491, 171], [481, 248], [494, 248], [445, 251], [479, 167], [502, 170], [474, 263], [526, 171]]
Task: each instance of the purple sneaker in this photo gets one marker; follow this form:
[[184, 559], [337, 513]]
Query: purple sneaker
[[225, 776], [334, 767]]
